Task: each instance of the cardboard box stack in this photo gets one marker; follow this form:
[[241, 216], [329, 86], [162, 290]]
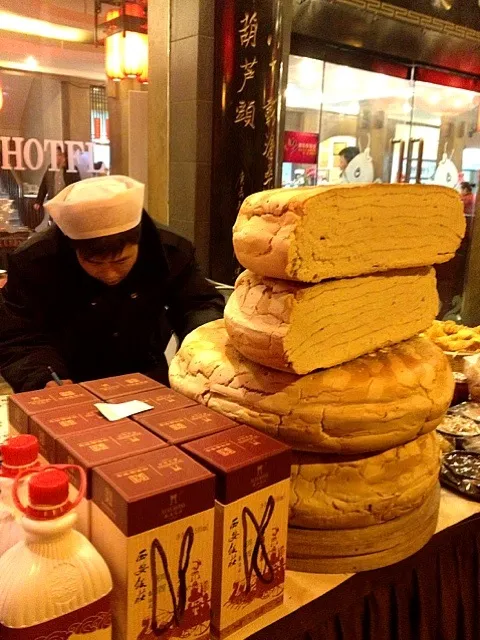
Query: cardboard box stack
[[320, 348], [149, 506], [71, 430], [22, 407], [49, 426]]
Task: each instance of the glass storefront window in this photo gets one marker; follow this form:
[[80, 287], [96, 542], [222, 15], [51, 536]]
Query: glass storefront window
[[44, 114], [407, 126], [302, 121], [409, 131]]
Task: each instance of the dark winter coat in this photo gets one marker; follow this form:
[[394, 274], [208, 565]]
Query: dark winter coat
[[52, 313]]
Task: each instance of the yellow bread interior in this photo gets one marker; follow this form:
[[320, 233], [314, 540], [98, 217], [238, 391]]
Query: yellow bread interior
[[315, 233], [300, 328]]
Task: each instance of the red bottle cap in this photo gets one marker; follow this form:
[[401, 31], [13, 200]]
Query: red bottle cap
[[20, 452], [48, 491], [48, 488]]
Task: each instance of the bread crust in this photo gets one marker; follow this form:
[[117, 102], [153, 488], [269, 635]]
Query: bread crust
[[332, 492], [373, 403], [366, 548]]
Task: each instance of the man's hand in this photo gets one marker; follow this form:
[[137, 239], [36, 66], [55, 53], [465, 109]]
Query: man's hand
[[36, 206], [52, 383]]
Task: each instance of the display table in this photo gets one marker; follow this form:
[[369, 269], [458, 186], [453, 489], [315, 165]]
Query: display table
[[434, 595]]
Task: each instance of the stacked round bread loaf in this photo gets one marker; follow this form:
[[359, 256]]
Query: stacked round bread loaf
[[320, 348]]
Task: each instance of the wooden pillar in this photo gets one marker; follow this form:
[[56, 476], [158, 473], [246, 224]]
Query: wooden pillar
[[249, 39], [158, 109], [117, 94]]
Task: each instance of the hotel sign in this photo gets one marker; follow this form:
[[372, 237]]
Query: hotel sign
[[29, 153]]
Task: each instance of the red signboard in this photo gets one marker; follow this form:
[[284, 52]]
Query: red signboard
[[96, 128], [300, 147]]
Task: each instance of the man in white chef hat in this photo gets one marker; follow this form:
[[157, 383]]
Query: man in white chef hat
[[100, 292]]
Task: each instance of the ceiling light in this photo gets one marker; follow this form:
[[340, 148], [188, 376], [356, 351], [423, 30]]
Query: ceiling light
[[458, 103], [344, 78], [41, 28], [31, 63], [347, 109], [297, 98], [407, 107], [292, 95], [309, 72], [434, 98]]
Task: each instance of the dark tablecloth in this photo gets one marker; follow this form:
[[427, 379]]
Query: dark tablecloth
[[433, 595]]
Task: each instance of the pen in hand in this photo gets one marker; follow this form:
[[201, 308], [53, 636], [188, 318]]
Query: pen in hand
[[55, 377]]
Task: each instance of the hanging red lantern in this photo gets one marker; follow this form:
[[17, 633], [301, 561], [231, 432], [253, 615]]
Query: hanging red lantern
[[126, 41]]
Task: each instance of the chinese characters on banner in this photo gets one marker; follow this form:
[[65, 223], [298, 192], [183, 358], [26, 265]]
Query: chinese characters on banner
[[248, 59]]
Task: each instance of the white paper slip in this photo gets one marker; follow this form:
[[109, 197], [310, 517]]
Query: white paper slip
[[120, 410]]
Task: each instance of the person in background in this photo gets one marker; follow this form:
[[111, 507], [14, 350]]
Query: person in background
[[54, 181], [451, 274], [100, 292], [468, 200], [346, 156]]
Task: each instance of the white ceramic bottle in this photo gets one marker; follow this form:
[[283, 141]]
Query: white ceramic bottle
[[53, 584], [18, 454]]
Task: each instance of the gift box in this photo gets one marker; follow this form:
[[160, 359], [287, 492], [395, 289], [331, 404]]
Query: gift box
[[251, 522], [95, 447], [152, 521]]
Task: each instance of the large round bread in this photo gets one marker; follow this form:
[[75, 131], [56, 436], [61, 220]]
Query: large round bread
[[302, 327], [366, 548], [316, 233], [370, 404], [332, 492]]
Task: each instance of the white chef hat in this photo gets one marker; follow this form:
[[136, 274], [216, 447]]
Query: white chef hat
[[97, 207]]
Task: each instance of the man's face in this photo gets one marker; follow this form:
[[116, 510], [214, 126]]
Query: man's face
[[343, 163], [110, 270]]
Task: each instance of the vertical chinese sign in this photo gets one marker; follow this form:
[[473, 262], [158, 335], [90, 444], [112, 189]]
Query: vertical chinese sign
[[248, 55]]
